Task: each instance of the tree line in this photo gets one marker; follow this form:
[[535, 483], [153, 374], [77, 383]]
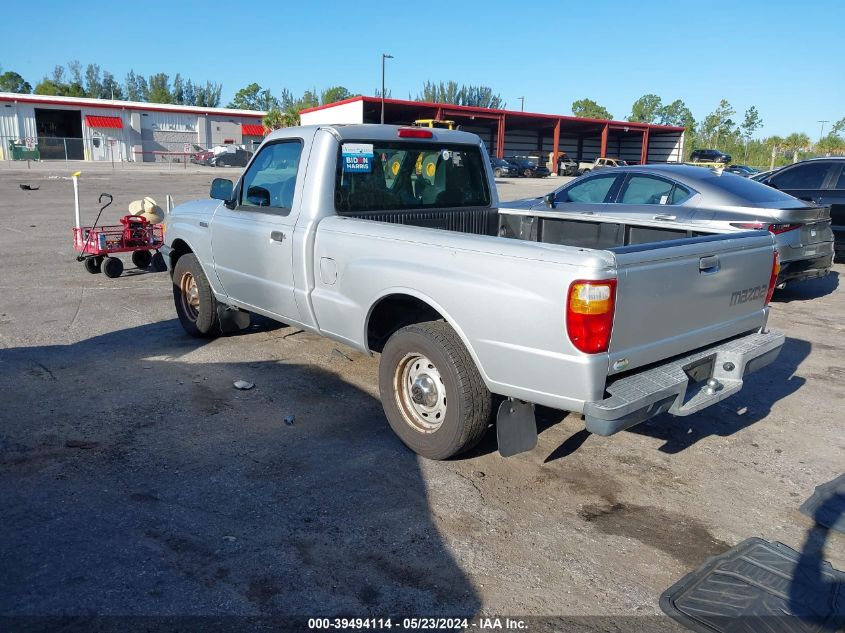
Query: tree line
[[96, 83], [721, 129]]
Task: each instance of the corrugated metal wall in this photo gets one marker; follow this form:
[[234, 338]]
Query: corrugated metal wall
[[664, 148], [107, 151], [26, 120], [8, 123]]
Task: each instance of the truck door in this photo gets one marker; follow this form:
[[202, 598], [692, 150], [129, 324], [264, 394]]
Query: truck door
[[252, 242]]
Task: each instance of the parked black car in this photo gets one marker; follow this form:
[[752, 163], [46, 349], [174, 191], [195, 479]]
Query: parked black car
[[238, 158], [528, 168], [709, 156], [742, 170], [501, 168], [818, 180]]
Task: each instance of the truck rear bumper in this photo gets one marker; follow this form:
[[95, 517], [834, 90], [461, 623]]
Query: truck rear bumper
[[684, 385]]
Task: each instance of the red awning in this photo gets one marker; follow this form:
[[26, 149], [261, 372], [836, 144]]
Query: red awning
[[111, 122], [251, 129]]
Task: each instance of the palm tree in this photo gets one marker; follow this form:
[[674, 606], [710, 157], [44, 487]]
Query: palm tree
[[276, 118], [796, 142], [776, 143], [831, 145]]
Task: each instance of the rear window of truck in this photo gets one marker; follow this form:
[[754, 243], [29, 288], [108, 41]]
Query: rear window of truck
[[398, 175]]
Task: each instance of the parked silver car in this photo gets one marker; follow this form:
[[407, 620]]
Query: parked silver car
[[690, 200]]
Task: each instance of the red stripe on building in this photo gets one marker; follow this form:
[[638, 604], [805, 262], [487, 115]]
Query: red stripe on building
[[109, 122]]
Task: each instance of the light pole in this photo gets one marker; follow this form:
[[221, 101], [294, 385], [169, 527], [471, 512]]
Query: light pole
[[521, 104], [821, 132], [383, 57]]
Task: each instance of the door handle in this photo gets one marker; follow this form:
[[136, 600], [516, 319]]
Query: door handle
[[665, 217], [709, 265], [277, 236]]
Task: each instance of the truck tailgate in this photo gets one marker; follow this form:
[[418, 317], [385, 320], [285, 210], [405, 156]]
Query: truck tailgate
[[673, 297]]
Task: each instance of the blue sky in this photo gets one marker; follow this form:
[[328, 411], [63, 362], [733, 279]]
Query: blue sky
[[783, 57]]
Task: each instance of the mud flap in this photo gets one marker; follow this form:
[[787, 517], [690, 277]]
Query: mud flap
[[231, 319], [516, 427], [760, 586]]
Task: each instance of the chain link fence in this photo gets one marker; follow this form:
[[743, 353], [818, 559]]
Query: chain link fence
[[116, 150]]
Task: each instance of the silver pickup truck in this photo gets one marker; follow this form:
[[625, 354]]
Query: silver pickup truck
[[389, 240]]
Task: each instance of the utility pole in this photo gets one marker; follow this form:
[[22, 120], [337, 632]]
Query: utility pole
[[521, 104], [384, 56], [821, 132]]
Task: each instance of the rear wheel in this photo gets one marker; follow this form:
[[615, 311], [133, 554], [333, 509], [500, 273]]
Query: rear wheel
[[527, 173], [112, 267], [585, 170], [142, 259], [194, 299], [431, 391], [497, 172]]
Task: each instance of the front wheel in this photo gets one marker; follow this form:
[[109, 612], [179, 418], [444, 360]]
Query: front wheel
[[431, 391], [194, 299], [497, 173], [112, 267]]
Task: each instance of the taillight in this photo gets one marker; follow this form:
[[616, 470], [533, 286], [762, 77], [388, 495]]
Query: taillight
[[589, 314], [774, 278], [750, 226], [414, 132], [782, 228], [771, 228]]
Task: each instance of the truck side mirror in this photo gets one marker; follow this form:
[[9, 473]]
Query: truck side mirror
[[221, 189]]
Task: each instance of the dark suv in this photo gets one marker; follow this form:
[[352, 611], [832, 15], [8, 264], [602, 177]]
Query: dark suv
[[501, 167], [528, 167], [709, 156], [820, 181]]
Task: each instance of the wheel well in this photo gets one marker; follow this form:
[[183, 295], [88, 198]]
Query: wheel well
[[394, 312], [179, 248]]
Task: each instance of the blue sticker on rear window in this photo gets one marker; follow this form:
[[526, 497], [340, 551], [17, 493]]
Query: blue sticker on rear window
[[357, 157]]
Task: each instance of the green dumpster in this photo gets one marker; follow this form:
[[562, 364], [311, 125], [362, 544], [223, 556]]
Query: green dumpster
[[19, 151]]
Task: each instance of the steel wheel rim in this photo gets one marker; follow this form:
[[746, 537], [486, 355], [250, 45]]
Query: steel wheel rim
[[190, 296], [420, 393]]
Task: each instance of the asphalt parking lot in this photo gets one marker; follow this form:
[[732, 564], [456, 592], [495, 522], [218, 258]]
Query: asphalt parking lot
[[135, 480]]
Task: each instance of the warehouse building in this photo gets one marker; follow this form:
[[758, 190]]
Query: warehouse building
[[512, 133], [71, 128]]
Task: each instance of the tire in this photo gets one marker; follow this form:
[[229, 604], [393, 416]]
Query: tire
[[497, 173], [585, 171], [449, 411], [195, 302], [158, 264], [142, 259], [527, 173], [112, 267], [92, 264]]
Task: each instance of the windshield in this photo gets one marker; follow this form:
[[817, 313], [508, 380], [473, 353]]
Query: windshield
[[396, 175]]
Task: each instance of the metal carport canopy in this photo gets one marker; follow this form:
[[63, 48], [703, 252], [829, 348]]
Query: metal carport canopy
[[402, 112]]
